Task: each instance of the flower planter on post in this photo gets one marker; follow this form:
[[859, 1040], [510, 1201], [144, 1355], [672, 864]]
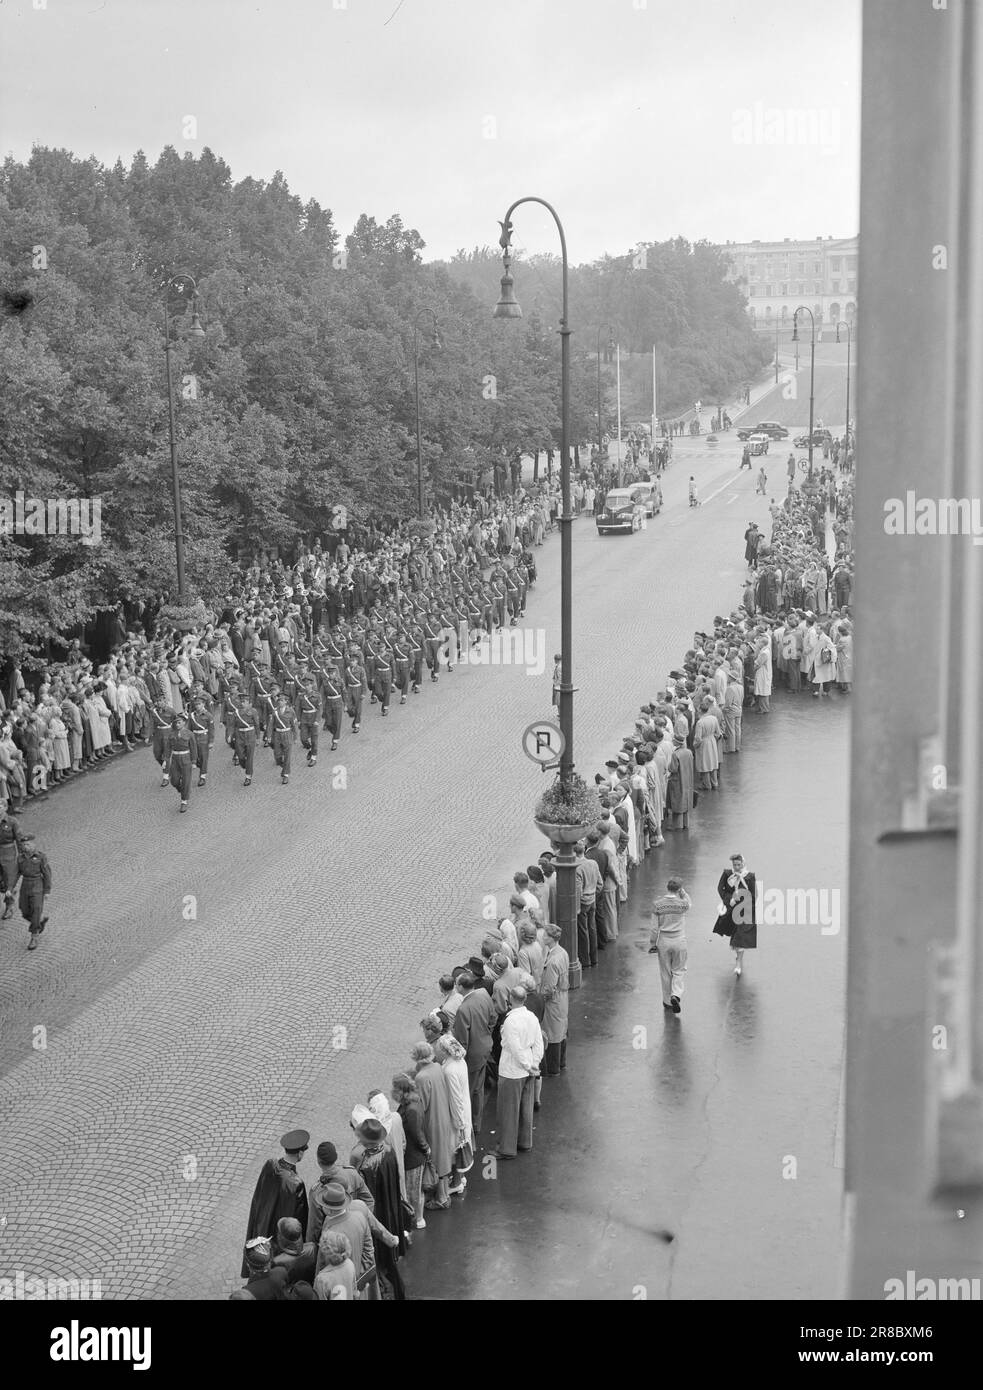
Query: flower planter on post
[[564, 814]]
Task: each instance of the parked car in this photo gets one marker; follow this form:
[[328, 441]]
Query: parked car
[[758, 444], [622, 511], [819, 437], [769, 427], [649, 494]]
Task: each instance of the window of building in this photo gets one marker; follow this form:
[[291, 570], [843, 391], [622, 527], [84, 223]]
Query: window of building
[[767, 291], [818, 268], [819, 287], [783, 289], [834, 264], [802, 267]]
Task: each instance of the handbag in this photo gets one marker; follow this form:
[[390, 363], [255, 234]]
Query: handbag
[[464, 1157], [429, 1179], [696, 799]]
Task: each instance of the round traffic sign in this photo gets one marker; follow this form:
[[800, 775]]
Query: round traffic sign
[[543, 742]]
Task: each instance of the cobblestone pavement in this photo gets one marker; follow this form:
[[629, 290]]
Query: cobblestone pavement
[[210, 980]]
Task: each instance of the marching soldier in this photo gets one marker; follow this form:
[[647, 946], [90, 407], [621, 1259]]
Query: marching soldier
[[161, 723], [261, 694], [202, 726], [497, 591], [355, 684], [307, 708], [281, 732], [512, 596], [371, 658], [228, 685], [431, 641], [383, 676], [415, 647], [245, 730], [447, 612], [183, 757], [11, 849], [35, 885], [332, 695]]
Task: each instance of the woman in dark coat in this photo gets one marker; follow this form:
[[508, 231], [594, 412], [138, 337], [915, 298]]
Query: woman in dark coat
[[737, 918], [376, 1162], [406, 1099]]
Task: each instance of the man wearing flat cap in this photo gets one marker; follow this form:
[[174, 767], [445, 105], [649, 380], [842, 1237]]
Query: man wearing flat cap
[[279, 1191]]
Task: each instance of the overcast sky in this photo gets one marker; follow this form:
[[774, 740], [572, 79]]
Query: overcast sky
[[638, 119]]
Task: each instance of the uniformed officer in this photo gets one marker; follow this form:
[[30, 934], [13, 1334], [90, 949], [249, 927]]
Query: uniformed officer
[[281, 732], [383, 675], [35, 885], [497, 591], [261, 694], [333, 698], [431, 641], [245, 729], [400, 649], [512, 596], [201, 724], [11, 849], [161, 724], [308, 709], [415, 644], [447, 612], [183, 757], [355, 685]]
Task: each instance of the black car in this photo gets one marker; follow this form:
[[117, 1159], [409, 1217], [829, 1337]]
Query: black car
[[819, 438], [769, 427]]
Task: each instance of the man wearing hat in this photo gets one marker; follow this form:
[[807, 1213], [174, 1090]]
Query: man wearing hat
[[473, 1026], [332, 1171], [35, 885], [279, 1191], [342, 1216], [308, 709], [245, 730]]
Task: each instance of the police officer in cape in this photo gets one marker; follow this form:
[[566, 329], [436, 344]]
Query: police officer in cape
[[35, 885], [280, 1191]]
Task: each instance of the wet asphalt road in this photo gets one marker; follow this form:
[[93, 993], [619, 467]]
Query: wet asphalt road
[[665, 1170]]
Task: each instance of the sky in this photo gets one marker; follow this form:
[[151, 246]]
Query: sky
[[638, 120]]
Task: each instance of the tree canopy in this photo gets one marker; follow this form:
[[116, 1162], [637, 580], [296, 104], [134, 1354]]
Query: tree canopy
[[301, 393]]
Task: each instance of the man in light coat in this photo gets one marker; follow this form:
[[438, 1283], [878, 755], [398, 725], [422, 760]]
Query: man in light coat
[[554, 987]]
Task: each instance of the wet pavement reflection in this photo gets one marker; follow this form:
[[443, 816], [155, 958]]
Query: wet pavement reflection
[[691, 1156]]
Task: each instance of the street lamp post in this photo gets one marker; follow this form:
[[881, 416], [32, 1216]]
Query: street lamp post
[[599, 441], [421, 504], [803, 309], [849, 338], [181, 283], [508, 308]]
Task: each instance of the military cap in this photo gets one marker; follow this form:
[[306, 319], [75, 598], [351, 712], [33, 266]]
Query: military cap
[[294, 1140]]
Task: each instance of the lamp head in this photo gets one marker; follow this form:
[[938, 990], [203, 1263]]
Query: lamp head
[[195, 330], [507, 306], [435, 342]]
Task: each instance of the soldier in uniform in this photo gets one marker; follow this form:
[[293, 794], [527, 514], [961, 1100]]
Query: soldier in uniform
[[447, 612], [35, 885], [355, 683], [400, 648], [261, 694], [383, 676], [228, 689], [332, 696], [202, 726], [512, 596], [497, 591], [245, 729], [281, 732], [11, 849], [307, 708], [183, 757], [161, 723], [431, 641]]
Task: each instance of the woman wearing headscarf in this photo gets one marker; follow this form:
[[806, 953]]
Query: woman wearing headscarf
[[431, 1083], [530, 956], [450, 1054], [375, 1161], [736, 916], [406, 1098], [392, 1123]]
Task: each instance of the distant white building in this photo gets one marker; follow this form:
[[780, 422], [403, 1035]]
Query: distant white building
[[778, 276]]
